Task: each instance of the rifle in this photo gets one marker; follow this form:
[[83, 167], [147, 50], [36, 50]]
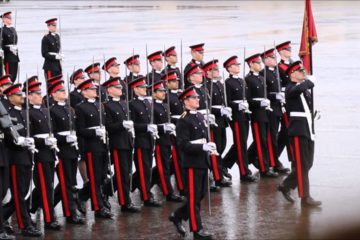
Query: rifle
[[167, 91], [181, 66], [265, 87], [106, 139], [75, 144], [60, 48], [244, 82]]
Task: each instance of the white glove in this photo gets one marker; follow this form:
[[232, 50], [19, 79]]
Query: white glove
[[280, 96], [153, 130], [50, 141], [226, 111], [58, 56], [100, 132], [211, 119], [29, 141], [13, 49], [265, 103], [209, 147], [71, 138], [169, 127], [128, 124], [20, 141], [1, 53], [311, 78], [243, 105]]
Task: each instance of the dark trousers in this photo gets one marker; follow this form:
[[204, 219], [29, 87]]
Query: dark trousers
[[43, 191], [195, 187], [304, 158], [66, 171], [258, 150], [218, 136], [283, 139], [238, 151], [122, 160], [142, 176], [50, 73], [95, 164], [161, 173], [20, 177], [12, 69], [274, 123], [4, 181], [175, 167]]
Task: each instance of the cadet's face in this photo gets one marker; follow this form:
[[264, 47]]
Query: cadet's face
[[134, 68], [114, 70], [160, 94], [173, 84], [197, 55], [115, 91], [90, 93], [78, 81], [52, 28], [234, 69], [256, 66], [196, 78], [270, 61], [285, 53], [214, 73], [157, 64], [96, 76], [60, 95], [192, 103], [7, 20], [172, 59], [35, 98], [140, 91], [16, 100]]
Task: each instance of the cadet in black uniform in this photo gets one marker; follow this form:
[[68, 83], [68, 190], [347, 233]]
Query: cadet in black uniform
[[112, 67], [156, 63], [171, 59], [90, 129], [277, 98], [259, 106], [120, 130], [20, 164], [49, 83], [298, 99], [44, 158], [133, 65], [222, 114], [145, 133], [68, 154], [9, 46], [94, 73], [50, 50], [5, 82], [76, 79], [284, 50], [161, 175], [240, 120], [197, 54], [176, 109], [192, 141]]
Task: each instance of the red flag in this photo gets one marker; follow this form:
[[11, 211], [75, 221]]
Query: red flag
[[308, 37]]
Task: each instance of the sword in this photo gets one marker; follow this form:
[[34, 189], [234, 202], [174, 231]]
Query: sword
[[181, 66], [75, 144], [247, 110], [265, 86]]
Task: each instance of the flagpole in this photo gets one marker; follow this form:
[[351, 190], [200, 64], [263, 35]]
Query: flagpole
[[312, 89]]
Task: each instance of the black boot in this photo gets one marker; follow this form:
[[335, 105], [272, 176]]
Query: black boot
[[5, 236], [248, 178], [75, 219], [173, 197], [310, 202], [223, 183], [54, 225], [285, 192], [178, 224], [226, 173], [202, 234], [269, 174], [130, 208], [31, 231], [8, 228], [103, 213], [152, 203]]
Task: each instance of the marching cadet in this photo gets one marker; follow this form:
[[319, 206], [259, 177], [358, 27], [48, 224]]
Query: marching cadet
[[222, 114], [112, 67], [50, 50], [5, 82], [120, 131], [44, 158], [191, 135], [161, 175], [62, 123], [90, 130], [176, 109], [133, 65], [94, 73], [259, 105], [20, 164], [49, 83], [9, 46], [284, 50], [197, 54], [76, 79], [277, 98], [237, 92], [145, 133], [171, 59], [298, 99], [156, 63]]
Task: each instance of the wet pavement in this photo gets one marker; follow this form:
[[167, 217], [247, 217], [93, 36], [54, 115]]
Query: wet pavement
[[246, 211]]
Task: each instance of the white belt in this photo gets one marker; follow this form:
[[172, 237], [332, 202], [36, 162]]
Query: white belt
[[217, 106], [258, 99], [42, 135], [53, 53], [198, 141], [283, 89], [94, 127], [298, 114], [11, 45], [239, 101], [64, 133], [176, 116]]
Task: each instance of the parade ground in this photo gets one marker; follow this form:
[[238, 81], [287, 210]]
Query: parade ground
[[97, 30]]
